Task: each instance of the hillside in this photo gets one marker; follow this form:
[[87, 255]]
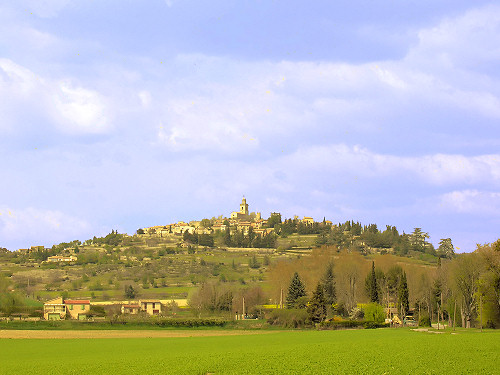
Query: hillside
[[156, 267]]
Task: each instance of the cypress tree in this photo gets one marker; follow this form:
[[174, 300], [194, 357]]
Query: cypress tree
[[403, 296], [295, 291], [227, 236], [317, 305], [371, 285], [328, 282]]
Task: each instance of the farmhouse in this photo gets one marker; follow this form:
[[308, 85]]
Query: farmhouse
[[77, 308], [131, 309], [151, 306], [55, 309]]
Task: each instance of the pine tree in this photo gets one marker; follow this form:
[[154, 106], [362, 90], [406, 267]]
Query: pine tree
[[130, 292], [372, 286], [295, 291], [317, 305], [328, 282], [446, 248], [403, 296]]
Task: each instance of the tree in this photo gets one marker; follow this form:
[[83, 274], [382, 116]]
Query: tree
[[130, 292], [374, 312], [205, 223], [371, 285], [403, 296], [465, 274], [489, 287], [393, 278], [211, 297], [206, 240], [295, 291], [273, 220], [446, 248], [317, 305], [227, 236], [328, 282], [253, 262], [418, 240], [348, 275]]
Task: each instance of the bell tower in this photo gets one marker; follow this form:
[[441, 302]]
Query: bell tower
[[244, 206]]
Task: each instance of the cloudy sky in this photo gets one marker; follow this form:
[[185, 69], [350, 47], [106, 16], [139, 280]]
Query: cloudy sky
[[127, 114]]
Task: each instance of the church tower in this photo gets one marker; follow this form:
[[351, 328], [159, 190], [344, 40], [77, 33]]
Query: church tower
[[244, 207]]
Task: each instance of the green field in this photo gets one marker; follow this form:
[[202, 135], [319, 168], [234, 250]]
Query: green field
[[383, 351]]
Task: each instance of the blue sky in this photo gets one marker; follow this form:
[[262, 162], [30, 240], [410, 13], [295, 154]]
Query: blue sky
[[128, 114]]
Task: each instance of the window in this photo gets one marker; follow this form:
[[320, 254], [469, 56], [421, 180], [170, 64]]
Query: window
[[71, 307], [83, 307]]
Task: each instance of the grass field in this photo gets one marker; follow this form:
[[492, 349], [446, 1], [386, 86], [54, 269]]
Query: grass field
[[382, 351]]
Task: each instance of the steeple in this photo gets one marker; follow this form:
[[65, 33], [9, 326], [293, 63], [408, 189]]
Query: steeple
[[244, 206]]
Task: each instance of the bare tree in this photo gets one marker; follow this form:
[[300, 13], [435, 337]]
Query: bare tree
[[350, 268], [465, 276]]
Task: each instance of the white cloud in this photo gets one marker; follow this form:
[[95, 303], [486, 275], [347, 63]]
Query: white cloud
[[470, 202], [32, 226], [462, 41], [436, 169], [81, 109], [61, 103], [231, 105]]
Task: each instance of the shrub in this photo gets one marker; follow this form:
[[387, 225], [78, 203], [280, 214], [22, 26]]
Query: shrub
[[374, 313], [345, 324], [356, 314], [171, 322], [424, 320], [290, 318]]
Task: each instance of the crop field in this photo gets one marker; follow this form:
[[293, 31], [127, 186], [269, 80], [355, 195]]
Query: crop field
[[382, 351]]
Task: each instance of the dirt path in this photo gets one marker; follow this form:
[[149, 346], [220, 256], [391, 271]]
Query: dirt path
[[111, 334]]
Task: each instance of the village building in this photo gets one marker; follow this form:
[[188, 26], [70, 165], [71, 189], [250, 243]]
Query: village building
[[60, 258], [308, 220], [77, 308], [54, 309], [57, 309], [132, 309], [151, 306], [244, 214]]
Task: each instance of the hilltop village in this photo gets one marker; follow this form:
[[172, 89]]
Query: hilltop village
[[242, 221], [232, 267]]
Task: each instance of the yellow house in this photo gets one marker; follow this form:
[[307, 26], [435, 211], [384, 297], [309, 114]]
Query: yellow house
[[308, 220], [54, 309], [60, 258], [77, 308], [151, 306]]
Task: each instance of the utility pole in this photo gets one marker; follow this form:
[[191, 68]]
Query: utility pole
[[243, 316], [281, 298], [438, 315]]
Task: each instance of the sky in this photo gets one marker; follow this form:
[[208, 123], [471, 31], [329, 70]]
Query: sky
[[128, 114]]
